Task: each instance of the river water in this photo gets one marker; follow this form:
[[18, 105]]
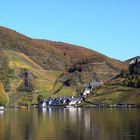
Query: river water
[[70, 124]]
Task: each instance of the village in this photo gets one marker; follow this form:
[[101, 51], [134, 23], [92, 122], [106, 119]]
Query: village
[[71, 101], [78, 101]]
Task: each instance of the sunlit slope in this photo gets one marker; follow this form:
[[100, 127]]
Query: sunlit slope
[[45, 83], [115, 95]]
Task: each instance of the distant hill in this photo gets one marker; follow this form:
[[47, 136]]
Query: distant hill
[[60, 68]]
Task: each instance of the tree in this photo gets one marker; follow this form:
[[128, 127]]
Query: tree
[[3, 96], [39, 98]]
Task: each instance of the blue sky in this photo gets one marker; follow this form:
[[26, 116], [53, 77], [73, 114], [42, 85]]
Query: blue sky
[[111, 27]]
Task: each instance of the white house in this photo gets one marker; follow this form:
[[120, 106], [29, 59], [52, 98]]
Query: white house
[[87, 91], [44, 104], [90, 86]]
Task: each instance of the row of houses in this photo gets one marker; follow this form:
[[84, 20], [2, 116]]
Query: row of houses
[[66, 100]]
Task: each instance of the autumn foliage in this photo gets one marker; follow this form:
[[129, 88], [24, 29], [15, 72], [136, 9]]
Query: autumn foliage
[[3, 96]]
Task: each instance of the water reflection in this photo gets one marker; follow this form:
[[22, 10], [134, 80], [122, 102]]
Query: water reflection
[[70, 123], [1, 113]]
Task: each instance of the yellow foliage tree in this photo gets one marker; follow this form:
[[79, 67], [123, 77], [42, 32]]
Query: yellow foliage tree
[[3, 96]]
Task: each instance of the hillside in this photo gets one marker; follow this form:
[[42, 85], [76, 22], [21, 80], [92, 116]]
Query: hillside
[[124, 88], [45, 82], [53, 55], [55, 68]]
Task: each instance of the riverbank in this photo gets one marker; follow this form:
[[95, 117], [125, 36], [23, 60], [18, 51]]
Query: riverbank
[[99, 106]]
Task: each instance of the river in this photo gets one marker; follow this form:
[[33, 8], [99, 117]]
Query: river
[[70, 124]]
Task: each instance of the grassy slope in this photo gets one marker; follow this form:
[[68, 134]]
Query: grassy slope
[[115, 94], [45, 82]]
